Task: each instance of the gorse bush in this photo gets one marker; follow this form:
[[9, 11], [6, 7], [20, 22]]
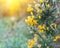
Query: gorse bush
[[43, 31]]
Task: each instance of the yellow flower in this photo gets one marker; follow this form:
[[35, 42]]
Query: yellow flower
[[31, 13], [41, 27], [39, 17], [41, 30], [48, 5], [39, 10], [54, 25], [47, 28], [29, 9], [41, 1], [35, 22], [32, 17], [30, 21], [56, 38], [31, 43]]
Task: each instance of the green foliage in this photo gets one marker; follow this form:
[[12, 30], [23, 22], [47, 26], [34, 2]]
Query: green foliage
[[47, 18]]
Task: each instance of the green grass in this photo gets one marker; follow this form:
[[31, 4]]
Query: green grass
[[15, 38]]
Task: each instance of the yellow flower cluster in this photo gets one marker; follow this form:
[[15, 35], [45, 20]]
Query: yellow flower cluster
[[31, 21], [56, 38], [31, 43], [29, 9], [41, 28]]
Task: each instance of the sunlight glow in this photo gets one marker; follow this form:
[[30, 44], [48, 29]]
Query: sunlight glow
[[13, 7], [9, 2]]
